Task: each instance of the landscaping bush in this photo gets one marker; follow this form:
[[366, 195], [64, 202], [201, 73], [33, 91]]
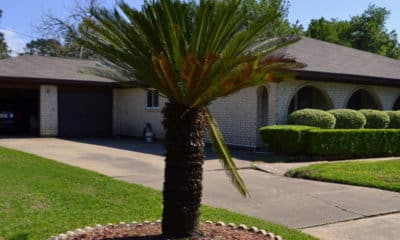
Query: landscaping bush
[[288, 139], [346, 143], [348, 119], [312, 117], [376, 119], [394, 119], [332, 143]]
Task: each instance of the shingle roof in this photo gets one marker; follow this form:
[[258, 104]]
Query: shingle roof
[[321, 57], [327, 57], [39, 67]]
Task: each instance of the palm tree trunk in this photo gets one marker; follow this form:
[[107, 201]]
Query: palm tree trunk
[[183, 169]]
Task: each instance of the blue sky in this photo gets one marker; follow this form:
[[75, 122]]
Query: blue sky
[[21, 16]]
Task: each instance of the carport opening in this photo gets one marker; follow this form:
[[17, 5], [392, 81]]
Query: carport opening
[[362, 99], [396, 105], [309, 97], [19, 112]]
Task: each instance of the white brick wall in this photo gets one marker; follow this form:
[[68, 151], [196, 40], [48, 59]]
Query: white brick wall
[[338, 94], [238, 115], [131, 115], [48, 110]]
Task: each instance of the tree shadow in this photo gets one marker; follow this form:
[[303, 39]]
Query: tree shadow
[[157, 148], [20, 236]]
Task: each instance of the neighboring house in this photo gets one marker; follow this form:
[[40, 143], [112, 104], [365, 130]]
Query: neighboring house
[[69, 101]]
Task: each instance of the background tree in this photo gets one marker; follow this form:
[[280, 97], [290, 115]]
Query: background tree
[[330, 31], [365, 32], [44, 47], [192, 55], [4, 51], [66, 29], [368, 32], [278, 8]]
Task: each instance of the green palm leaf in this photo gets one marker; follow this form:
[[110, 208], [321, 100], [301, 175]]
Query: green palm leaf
[[192, 53], [225, 156]]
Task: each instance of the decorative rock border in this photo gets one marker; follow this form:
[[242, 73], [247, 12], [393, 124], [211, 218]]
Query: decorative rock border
[[77, 232]]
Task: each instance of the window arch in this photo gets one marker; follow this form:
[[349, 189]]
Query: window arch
[[362, 99], [309, 97]]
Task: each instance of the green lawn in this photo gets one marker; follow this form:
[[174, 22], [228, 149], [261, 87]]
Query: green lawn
[[378, 174], [41, 197]]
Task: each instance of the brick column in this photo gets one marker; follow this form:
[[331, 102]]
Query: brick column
[[48, 111], [272, 103]]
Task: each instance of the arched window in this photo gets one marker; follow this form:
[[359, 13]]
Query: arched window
[[396, 105], [309, 97], [362, 99], [262, 106]]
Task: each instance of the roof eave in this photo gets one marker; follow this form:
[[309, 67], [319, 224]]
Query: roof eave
[[69, 82], [345, 78]]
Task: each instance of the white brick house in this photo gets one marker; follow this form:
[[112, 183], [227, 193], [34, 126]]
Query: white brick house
[[74, 103], [335, 77]]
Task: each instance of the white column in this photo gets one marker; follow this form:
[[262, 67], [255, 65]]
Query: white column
[[48, 111]]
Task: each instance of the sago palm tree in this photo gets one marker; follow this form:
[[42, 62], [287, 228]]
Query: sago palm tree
[[193, 54]]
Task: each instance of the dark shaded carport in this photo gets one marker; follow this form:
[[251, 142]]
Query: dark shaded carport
[[19, 110], [82, 102]]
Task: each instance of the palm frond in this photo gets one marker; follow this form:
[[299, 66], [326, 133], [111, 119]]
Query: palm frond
[[192, 55], [225, 156]]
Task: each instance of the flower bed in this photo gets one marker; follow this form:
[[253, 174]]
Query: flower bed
[[152, 231]]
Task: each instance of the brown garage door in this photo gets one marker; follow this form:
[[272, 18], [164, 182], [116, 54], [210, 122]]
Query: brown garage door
[[84, 112]]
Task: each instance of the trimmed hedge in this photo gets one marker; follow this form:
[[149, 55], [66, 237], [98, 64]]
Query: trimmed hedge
[[288, 139], [376, 119], [394, 119], [353, 142], [312, 117], [348, 119], [337, 143]]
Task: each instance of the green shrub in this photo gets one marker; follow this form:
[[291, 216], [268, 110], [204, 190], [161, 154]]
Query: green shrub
[[334, 143], [348, 119], [353, 142], [376, 119], [288, 139], [312, 117], [394, 119]]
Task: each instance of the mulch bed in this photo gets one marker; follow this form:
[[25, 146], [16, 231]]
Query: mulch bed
[[153, 231]]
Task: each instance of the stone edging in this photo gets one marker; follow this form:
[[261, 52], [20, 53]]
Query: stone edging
[[77, 232]]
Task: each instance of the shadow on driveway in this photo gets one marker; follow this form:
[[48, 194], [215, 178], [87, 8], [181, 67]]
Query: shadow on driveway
[[157, 148]]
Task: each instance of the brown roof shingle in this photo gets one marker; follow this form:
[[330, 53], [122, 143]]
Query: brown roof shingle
[[39, 67], [325, 57]]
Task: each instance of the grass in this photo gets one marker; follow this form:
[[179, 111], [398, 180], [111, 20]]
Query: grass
[[40, 198], [377, 174]]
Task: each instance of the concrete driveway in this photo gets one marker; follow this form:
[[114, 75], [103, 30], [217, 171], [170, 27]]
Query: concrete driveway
[[315, 207]]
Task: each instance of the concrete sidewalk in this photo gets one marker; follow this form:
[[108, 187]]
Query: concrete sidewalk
[[318, 208]]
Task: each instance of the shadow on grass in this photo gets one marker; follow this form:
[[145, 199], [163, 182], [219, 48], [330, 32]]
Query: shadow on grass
[[20, 236]]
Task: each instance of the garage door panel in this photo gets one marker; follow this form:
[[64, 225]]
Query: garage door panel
[[85, 112]]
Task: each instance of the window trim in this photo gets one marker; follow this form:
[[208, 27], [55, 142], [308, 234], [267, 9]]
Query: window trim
[[153, 92]]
